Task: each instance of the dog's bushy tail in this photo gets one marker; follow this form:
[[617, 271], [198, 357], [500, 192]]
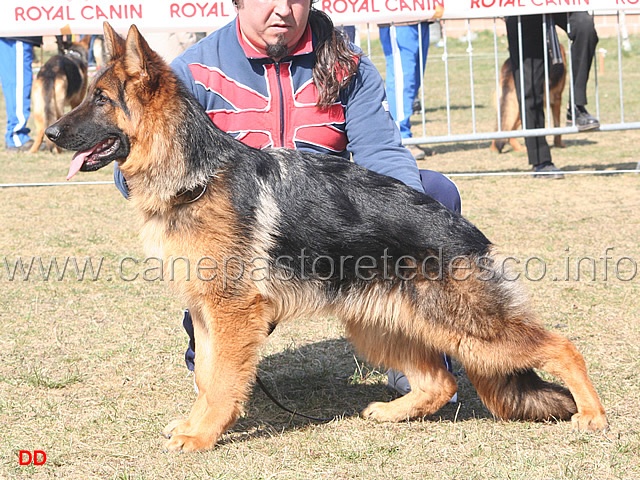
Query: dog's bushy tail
[[502, 345], [523, 396]]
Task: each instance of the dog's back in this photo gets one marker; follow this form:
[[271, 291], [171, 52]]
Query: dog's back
[[62, 81]]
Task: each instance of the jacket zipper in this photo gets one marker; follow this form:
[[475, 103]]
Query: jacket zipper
[[278, 79]]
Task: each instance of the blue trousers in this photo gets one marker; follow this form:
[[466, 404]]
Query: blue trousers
[[440, 188], [16, 76], [401, 47]]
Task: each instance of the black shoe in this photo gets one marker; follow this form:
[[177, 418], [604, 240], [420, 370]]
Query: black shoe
[[584, 120], [416, 106], [548, 170]]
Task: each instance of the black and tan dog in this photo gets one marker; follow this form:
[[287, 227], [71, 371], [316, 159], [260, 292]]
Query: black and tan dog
[[269, 235], [507, 98], [62, 81]]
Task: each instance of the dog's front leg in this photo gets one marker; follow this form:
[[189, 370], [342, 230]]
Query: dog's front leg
[[227, 340]]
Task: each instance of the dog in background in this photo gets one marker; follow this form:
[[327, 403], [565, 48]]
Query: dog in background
[[281, 234], [62, 81], [510, 108]]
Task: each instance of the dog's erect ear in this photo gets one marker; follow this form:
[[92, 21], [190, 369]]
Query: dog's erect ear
[[85, 41], [140, 61], [114, 43]]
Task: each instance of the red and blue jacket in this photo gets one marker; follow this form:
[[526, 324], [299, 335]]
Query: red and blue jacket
[[264, 103]]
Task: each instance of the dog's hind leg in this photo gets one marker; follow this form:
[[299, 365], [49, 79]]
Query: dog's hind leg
[[55, 108], [562, 359], [509, 110], [556, 107], [503, 374], [432, 385], [227, 342], [38, 115], [512, 121]]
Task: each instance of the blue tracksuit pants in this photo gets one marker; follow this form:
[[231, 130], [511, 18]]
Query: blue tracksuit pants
[[16, 76], [401, 47]]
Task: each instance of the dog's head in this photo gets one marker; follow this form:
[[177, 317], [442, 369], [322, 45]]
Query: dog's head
[[78, 51], [106, 125]]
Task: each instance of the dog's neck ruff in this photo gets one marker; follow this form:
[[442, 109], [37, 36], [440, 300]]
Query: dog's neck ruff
[[186, 197]]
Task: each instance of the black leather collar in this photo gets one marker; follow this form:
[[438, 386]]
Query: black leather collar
[[190, 196]]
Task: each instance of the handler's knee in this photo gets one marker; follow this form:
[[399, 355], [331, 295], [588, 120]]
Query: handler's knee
[[440, 188]]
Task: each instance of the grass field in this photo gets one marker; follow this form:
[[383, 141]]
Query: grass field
[[91, 369]]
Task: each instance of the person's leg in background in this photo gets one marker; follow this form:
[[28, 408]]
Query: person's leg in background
[[538, 151], [401, 47], [406, 64], [16, 76], [425, 39], [584, 39]]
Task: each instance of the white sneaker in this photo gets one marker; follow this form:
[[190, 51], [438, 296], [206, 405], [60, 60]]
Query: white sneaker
[[398, 383]]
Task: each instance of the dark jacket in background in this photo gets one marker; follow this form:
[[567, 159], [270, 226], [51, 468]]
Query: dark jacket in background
[[35, 41]]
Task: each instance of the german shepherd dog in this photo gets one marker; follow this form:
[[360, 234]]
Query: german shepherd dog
[[62, 81], [283, 234], [507, 98]]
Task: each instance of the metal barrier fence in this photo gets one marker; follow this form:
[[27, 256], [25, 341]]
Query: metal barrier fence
[[457, 95]]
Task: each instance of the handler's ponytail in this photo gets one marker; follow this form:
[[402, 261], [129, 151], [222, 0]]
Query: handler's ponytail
[[336, 63]]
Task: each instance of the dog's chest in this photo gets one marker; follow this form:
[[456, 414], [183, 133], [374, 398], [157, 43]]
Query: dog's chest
[[153, 235]]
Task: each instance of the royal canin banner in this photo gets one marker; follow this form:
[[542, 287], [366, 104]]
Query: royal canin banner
[[29, 17]]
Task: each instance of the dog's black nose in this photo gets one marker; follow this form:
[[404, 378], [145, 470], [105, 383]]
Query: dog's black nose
[[52, 132]]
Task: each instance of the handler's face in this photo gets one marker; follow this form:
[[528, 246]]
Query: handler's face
[[273, 27]]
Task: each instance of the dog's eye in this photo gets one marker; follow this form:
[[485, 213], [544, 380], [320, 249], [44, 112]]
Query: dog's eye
[[101, 98]]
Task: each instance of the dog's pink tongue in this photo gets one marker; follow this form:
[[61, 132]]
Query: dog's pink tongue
[[77, 162]]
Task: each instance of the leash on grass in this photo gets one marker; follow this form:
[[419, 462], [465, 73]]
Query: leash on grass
[[288, 410]]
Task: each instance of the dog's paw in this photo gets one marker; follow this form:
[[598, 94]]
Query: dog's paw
[[175, 427], [383, 412], [590, 422], [188, 443]]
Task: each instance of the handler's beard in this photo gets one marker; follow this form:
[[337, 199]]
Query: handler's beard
[[277, 50]]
